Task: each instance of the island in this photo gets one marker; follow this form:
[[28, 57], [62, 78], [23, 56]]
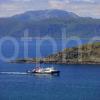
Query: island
[[85, 54]]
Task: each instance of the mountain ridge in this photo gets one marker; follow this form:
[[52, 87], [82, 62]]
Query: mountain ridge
[[48, 13], [49, 22]]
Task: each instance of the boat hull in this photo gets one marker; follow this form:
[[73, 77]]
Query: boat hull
[[52, 73]]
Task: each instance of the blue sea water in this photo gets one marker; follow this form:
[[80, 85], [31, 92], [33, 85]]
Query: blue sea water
[[75, 82]]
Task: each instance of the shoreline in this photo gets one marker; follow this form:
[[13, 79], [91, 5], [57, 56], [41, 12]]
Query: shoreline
[[52, 62]]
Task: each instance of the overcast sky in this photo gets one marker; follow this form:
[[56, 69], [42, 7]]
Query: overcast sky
[[90, 8]]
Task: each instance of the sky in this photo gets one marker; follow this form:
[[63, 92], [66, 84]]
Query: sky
[[85, 8]]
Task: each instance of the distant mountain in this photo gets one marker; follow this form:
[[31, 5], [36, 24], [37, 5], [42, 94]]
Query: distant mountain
[[45, 14], [49, 22]]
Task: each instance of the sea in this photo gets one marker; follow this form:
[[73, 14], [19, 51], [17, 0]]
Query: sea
[[75, 82]]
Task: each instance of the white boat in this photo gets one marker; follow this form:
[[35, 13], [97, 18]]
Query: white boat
[[49, 70]]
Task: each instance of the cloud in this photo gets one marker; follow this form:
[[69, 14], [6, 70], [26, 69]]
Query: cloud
[[57, 4], [62, 3], [12, 7], [88, 8], [80, 7], [6, 1], [86, 1], [76, 1]]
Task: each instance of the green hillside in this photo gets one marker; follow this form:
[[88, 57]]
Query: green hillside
[[85, 54]]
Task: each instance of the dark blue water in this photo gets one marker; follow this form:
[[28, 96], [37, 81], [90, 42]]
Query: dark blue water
[[41, 47], [76, 82]]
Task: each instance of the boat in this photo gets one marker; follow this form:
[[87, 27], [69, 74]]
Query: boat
[[40, 70]]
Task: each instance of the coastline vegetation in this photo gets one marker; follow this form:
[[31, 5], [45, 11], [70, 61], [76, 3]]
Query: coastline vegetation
[[85, 54]]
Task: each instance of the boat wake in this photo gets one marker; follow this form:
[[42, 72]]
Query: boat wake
[[14, 73]]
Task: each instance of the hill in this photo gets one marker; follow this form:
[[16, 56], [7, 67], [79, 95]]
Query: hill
[[85, 54]]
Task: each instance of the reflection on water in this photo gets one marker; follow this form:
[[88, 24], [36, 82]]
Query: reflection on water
[[48, 76]]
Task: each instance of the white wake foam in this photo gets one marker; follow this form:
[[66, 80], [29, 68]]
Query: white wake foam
[[14, 73]]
